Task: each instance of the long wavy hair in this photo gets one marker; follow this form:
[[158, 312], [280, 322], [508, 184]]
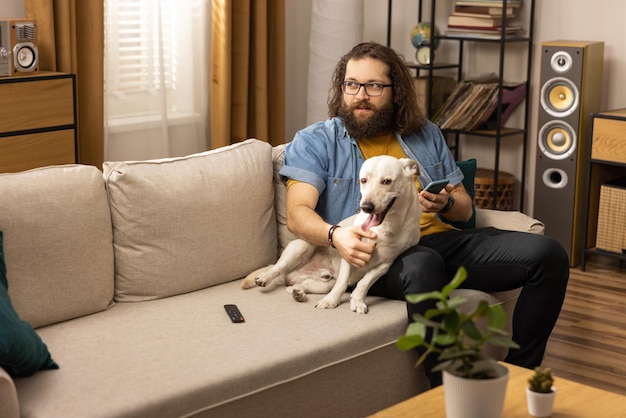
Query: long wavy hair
[[408, 115]]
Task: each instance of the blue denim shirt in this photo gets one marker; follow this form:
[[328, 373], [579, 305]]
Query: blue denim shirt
[[325, 156]]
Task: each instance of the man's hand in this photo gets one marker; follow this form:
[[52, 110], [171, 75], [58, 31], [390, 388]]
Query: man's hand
[[435, 202], [460, 208], [348, 242]]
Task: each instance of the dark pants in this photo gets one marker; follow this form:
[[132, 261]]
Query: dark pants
[[495, 261]]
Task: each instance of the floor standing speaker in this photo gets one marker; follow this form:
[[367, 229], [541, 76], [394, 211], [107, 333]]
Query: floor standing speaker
[[570, 90]]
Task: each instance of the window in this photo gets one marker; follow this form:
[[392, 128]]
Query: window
[[149, 65]]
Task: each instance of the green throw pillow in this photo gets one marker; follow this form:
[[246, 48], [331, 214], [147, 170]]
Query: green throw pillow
[[22, 352], [468, 167]]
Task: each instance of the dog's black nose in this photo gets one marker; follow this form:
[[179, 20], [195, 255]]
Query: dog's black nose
[[367, 207]]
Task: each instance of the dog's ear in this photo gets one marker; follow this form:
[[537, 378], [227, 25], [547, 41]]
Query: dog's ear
[[410, 167]]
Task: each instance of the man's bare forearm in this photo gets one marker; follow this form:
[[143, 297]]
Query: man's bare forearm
[[308, 225]]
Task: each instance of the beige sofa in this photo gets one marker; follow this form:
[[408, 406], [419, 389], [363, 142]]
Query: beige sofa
[[124, 275]]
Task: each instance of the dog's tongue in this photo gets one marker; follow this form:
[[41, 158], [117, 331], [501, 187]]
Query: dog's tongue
[[372, 220]]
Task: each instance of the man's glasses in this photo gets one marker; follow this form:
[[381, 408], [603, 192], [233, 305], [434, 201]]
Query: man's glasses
[[371, 89]]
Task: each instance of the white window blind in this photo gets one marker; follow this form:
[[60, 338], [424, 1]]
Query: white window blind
[[145, 43]]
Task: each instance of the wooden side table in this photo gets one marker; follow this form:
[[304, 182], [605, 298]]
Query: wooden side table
[[607, 161], [37, 121]]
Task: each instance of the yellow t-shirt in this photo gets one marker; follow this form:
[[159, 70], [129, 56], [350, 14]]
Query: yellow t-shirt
[[388, 144]]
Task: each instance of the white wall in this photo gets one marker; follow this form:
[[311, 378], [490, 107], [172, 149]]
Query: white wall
[[298, 28], [11, 8], [600, 20]]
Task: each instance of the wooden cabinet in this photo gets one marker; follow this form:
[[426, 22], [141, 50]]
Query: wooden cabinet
[[37, 121], [607, 162]]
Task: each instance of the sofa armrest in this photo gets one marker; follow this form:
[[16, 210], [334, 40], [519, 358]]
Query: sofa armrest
[[9, 407], [509, 220]]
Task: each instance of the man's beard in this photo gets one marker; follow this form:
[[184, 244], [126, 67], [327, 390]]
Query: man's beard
[[379, 122]]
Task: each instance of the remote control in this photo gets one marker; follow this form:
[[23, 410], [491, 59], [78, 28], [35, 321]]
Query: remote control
[[234, 313]]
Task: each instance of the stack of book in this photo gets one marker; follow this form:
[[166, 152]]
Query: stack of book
[[483, 18], [472, 104]]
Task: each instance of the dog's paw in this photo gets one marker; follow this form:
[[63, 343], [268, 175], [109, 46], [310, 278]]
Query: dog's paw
[[327, 303], [358, 306], [263, 280], [248, 283], [298, 294], [250, 280]]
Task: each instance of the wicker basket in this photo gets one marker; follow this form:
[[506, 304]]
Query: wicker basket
[[483, 189], [612, 217]]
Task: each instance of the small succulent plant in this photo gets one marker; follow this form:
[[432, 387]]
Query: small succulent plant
[[541, 381]]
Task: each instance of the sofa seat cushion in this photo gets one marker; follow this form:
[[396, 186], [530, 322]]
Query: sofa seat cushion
[[176, 355], [187, 223], [182, 355], [57, 242]]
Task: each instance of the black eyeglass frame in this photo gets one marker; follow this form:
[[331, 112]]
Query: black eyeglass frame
[[364, 85]]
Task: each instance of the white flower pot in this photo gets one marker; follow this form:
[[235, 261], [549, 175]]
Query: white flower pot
[[475, 398], [540, 404]]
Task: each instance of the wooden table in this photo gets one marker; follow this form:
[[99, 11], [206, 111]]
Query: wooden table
[[572, 400]]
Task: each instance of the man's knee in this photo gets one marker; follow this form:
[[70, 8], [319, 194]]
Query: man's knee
[[552, 260], [553, 253], [421, 269]]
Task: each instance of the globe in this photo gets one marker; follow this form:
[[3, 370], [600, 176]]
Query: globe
[[420, 35]]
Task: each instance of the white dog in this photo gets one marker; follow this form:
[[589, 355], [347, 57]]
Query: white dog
[[389, 207]]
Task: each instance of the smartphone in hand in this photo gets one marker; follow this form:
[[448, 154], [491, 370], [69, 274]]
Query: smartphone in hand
[[436, 186]]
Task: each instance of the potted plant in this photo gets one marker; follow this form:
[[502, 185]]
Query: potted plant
[[540, 393], [458, 341]]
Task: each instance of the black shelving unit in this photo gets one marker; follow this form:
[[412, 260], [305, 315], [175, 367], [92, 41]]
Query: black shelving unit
[[501, 43]]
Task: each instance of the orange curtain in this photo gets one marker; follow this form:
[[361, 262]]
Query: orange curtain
[[70, 34], [247, 71]]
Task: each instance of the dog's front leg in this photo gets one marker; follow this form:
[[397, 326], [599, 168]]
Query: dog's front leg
[[331, 300], [357, 298]]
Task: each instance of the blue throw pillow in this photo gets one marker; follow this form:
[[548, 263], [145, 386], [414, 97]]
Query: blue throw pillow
[[468, 167], [22, 352]]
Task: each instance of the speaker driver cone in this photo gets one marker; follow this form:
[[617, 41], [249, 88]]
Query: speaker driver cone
[[25, 56], [557, 140], [561, 62], [559, 97]]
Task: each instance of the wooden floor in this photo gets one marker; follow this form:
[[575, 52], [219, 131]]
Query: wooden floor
[[588, 344]]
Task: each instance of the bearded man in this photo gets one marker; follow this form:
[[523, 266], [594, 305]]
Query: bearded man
[[373, 110]]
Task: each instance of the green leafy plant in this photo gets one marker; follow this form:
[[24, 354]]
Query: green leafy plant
[[541, 381], [454, 335]]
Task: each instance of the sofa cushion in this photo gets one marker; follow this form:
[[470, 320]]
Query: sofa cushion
[[22, 353], [280, 199], [187, 223], [173, 356], [57, 242]]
